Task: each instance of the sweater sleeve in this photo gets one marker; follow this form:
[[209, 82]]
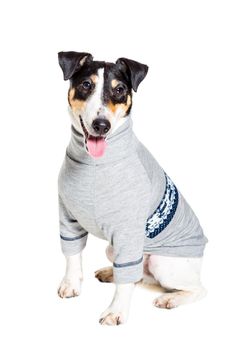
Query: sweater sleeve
[[73, 236], [124, 220], [128, 244]]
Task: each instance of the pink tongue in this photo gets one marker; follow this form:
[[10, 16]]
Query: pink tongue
[[96, 146]]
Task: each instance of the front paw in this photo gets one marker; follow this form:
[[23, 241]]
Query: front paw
[[114, 316], [112, 319], [69, 288]]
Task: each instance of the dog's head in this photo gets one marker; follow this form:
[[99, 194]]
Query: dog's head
[[100, 94]]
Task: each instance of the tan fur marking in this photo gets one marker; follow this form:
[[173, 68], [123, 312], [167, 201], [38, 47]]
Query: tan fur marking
[[124, 106], [114, 83], [94, 78], [71, 93], [75, 103], [129, 100]]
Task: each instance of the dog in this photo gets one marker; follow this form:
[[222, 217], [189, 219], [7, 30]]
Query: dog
[[110, 185]]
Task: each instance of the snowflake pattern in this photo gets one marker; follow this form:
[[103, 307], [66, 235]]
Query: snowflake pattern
[[165, 211]]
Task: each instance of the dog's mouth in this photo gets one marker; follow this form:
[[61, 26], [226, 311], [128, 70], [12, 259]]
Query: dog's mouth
[[95, 145]]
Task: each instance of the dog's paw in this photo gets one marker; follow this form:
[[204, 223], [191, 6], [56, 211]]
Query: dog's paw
[[172, 300], [165, 302], [69, 288], [105, 274], [112, 319]]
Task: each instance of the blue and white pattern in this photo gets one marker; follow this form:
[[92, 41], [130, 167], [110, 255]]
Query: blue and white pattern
[[165, 211]]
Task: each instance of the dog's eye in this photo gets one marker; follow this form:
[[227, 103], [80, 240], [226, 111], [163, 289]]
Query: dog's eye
[[86, 85], [119, 90]]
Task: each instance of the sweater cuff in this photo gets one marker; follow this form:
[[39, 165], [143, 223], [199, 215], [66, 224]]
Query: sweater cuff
[[72, 245], [130, 272]]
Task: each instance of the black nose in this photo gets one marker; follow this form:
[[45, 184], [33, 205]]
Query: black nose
[[101, 126]]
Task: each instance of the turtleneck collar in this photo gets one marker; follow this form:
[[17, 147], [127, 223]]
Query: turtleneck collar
[[120, 144]]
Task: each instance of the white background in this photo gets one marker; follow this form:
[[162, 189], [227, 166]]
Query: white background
[[182, 113]]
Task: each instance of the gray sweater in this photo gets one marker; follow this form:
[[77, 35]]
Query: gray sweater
[[126, 198]]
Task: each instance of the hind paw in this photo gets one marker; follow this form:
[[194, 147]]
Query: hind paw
[[105, 274]]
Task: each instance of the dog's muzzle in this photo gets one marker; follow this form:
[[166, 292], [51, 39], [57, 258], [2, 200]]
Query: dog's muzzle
[[96, 145]]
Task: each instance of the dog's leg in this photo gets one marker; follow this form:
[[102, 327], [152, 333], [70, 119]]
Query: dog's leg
[[179, 275], [117, 312], [71, 283], [106, 273]]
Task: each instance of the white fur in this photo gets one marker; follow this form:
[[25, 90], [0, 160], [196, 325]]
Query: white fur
[[74, 118], [71, 283], [95, 107], [118, 123], [118, 310], [175, 272], [179, 275]]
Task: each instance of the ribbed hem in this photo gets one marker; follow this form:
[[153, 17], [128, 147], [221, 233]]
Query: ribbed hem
[[73, 245], [130, 272], [181, 251]]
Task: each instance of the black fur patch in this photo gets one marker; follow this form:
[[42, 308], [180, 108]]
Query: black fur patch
[[111, 94], [84, 75], [116, 95], [78, 68]]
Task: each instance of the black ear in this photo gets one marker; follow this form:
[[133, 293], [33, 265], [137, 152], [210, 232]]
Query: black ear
[[135, 70], [71, 61]]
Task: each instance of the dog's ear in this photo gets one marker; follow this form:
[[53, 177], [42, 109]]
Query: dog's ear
[[136, 71], [71, 61]]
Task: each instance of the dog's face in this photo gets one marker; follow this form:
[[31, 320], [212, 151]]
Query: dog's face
[[100, 95]]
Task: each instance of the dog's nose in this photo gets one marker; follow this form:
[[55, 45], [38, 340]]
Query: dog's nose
[[101, 126]]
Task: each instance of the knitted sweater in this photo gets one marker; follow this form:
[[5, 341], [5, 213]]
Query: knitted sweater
[[126, 198]]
